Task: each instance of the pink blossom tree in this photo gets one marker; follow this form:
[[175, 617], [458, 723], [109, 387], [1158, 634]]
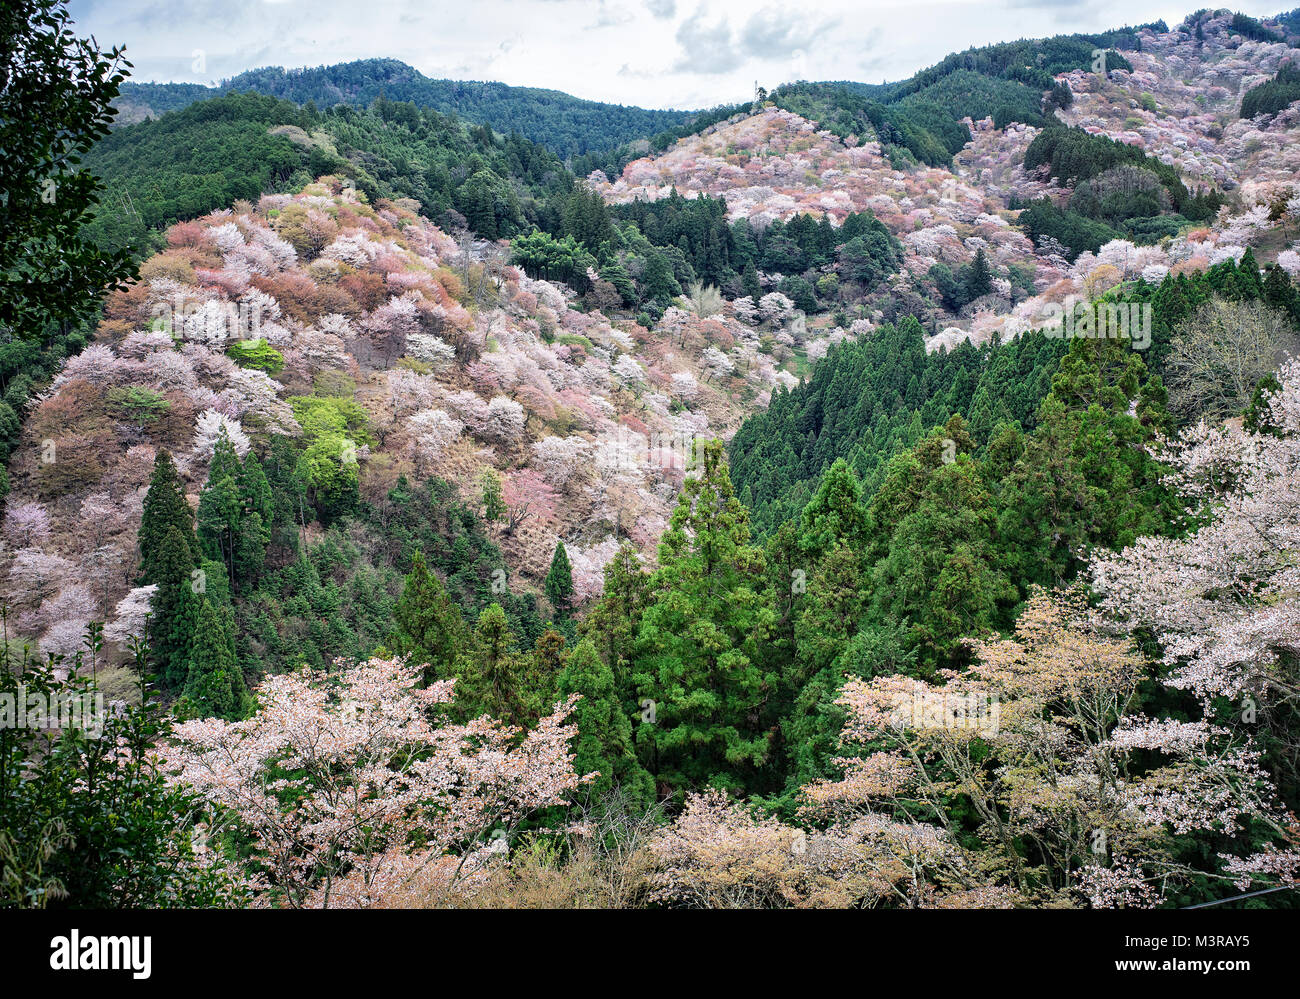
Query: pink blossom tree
[[350, 790]]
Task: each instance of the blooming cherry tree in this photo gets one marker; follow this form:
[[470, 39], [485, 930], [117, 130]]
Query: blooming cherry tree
[[349, 788]]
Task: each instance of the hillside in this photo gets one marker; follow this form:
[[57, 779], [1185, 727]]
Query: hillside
[[423, 358], [420, 494], [243, 145], [568, 126]]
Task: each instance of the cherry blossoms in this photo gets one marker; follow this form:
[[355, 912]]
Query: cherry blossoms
[[351, 789]]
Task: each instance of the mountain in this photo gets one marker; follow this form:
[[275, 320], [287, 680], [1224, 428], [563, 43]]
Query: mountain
[[567, 125], [210, 153], [379, 369]]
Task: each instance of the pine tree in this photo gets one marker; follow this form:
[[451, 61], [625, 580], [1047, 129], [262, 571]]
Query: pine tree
[[615, 620], [979, 281], [1086, 478], [165, 507], [935, 563], [604, 742], [489, 674], [219, 504], [429, 626], [699, 649], [658, 280], [256, 520], [175, 607], [494, 504], [559, 580], [835, 515], [215, 684]]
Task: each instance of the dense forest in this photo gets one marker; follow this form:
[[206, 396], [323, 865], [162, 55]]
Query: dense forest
[[566, 125], [433, 494]]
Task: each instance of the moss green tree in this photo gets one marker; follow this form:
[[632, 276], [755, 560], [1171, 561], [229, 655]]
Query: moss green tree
[[604, 742], [699, 651], [428, 626]]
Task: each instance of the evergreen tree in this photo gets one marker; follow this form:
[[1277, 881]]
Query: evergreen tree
[[979, 280], [1086, 478], [935, 563], [658, 280], [256, 521], [214, 685], [490, 673], [614, 622], [175, 607], [494, 504], [699, 649], [165, 507], [559, 580], [604, 743], [219, 504], [429, 627]]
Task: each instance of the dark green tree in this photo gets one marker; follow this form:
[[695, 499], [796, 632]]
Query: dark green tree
[[699, 652], [56, 95], [559, 580], [494, 504], [175, 607], [604, 743], [215, 684], [429, 627], [219, 505], [490, 672], [165, 507]]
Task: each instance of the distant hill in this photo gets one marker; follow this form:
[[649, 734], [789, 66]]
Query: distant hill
[[922, 114], [238, 146], [567, 125]]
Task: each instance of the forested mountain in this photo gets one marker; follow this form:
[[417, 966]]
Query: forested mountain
[[243, 145], [567, 125]]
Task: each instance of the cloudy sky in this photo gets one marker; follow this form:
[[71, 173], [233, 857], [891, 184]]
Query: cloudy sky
[[655, 53]]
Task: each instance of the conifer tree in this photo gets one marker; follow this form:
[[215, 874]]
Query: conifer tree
[[256, 519], [615, 620], [699, 650], [494, 504], [979, 280], [604, 742], [219, 504], [175, 607], [215, 684], [935, 563], [489, 673], [559, 580], [165, 507], [1086, 478], [429, 627]]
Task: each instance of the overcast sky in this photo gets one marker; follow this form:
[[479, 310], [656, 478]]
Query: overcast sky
[[655, 53]]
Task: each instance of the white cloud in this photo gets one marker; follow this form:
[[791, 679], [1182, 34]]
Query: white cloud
[[656, 53]]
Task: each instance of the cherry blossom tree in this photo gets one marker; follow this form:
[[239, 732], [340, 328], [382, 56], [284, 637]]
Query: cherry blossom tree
[[349, 791], [560, 458], [433, 431], [208, 428], [26, 525], [1039, 738], [131, 614]]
